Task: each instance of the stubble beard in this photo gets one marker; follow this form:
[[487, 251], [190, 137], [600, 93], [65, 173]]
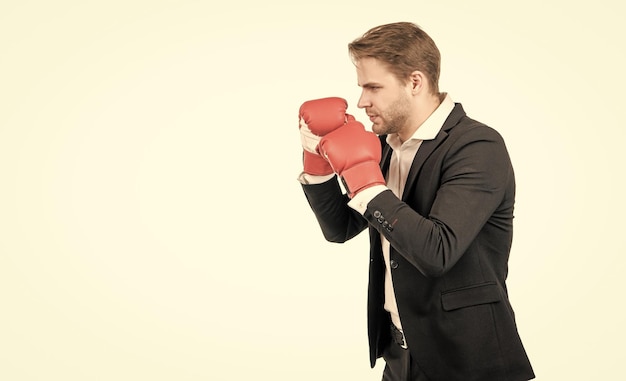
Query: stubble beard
[[394, 119]]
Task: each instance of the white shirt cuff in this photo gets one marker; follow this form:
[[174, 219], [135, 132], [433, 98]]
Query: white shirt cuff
[[306, 178], [361, 199]]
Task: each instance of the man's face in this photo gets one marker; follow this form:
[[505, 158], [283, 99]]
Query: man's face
[[385, 99]]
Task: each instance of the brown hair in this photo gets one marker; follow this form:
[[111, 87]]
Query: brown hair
[[404, 47]]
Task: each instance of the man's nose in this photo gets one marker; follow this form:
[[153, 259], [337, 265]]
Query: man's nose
[[363, 101]]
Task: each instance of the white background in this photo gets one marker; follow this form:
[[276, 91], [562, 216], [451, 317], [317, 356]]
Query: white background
[[151, 224]]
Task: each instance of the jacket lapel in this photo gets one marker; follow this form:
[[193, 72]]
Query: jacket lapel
[[427, 147], [386, 156]]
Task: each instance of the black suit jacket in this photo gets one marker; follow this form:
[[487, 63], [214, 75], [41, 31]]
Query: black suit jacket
[[450, 240]]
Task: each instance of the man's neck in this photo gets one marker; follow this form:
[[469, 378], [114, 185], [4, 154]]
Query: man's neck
[[424, 109]]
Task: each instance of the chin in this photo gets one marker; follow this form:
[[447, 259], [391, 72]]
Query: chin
[[379, 129]]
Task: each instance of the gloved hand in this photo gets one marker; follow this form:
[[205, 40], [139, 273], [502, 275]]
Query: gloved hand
[[354, 154], [317, 118]]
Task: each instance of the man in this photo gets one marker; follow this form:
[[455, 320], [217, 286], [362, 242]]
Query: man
[[436, 190]]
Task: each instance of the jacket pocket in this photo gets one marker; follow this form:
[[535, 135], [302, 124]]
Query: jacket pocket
[[474, 295]]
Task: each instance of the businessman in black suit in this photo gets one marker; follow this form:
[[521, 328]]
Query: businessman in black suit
[[436, 191]]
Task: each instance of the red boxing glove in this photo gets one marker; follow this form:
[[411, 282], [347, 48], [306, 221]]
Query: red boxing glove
[[354, 155], [317, 118]]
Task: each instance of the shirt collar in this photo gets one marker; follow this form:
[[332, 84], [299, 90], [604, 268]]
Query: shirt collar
[[432, 125]]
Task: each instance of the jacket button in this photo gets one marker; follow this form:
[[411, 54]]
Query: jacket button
[[377, 214], [393, 264]]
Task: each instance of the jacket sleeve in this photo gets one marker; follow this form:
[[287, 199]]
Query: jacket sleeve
[[338, 221], [475, 176]]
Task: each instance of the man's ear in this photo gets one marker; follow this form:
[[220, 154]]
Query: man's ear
[[417, 81]]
